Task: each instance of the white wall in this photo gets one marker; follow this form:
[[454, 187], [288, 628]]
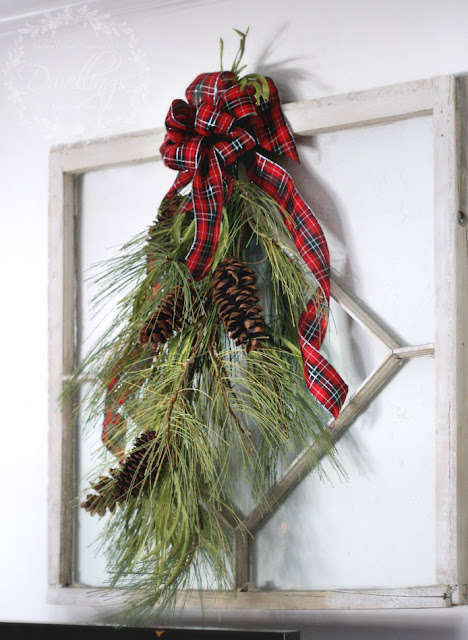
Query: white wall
[[312, 48]]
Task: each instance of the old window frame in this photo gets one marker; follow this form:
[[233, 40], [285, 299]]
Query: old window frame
[[445, 98]]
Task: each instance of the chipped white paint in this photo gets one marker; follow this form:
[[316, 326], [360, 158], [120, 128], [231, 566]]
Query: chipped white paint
[[360, 108], [416, 598]]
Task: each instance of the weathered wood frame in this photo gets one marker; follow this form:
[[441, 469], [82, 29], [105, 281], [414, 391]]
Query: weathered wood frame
[[446, 99]]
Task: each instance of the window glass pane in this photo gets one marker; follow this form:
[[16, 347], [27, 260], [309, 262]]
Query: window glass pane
[[377, 527], [116, 205], [354, 351], [372, 189], [89, 565]]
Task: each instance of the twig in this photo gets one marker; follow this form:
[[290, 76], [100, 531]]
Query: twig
[[188, 367], [278, 397], [283, 419], [218, 365]]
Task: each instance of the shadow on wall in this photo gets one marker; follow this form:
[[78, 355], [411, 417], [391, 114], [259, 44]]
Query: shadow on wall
[[319, 196], [289, 74]]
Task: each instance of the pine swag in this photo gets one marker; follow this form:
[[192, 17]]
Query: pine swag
[[212, 363]]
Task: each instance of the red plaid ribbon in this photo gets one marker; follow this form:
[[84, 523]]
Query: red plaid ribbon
[[219, 124]]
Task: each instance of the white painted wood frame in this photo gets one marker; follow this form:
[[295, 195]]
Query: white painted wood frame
[[446, 99]]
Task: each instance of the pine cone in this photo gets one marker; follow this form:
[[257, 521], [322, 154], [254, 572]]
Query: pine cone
[[167, 320], [139, 467], [168, 208], [104, 498], [235, 292]]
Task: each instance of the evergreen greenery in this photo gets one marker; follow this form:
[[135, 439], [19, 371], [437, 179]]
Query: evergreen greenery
[[211, 405]]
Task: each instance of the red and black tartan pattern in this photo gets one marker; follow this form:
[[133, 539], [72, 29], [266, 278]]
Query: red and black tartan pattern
[[321, 378], [202, 142], [220, 123]]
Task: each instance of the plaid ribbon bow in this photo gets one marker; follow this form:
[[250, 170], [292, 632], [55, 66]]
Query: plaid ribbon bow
[[219, 124]]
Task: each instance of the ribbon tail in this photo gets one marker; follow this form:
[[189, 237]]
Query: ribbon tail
[[182, 180], [207, 198], [322, 380]]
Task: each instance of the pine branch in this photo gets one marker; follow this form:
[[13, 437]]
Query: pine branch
[[223, 382]]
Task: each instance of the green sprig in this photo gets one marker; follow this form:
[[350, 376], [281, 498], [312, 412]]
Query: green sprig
[[213, 407]]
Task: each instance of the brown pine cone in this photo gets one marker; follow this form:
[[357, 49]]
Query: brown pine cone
[[235, 292], [168, 208], [95, 504], [139, 468], [167, 319], [104, 498]]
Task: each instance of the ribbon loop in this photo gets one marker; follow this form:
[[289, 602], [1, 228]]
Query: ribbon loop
[[238, 102], [180, 117], [271, 128], [207, 87], [184, 156]]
